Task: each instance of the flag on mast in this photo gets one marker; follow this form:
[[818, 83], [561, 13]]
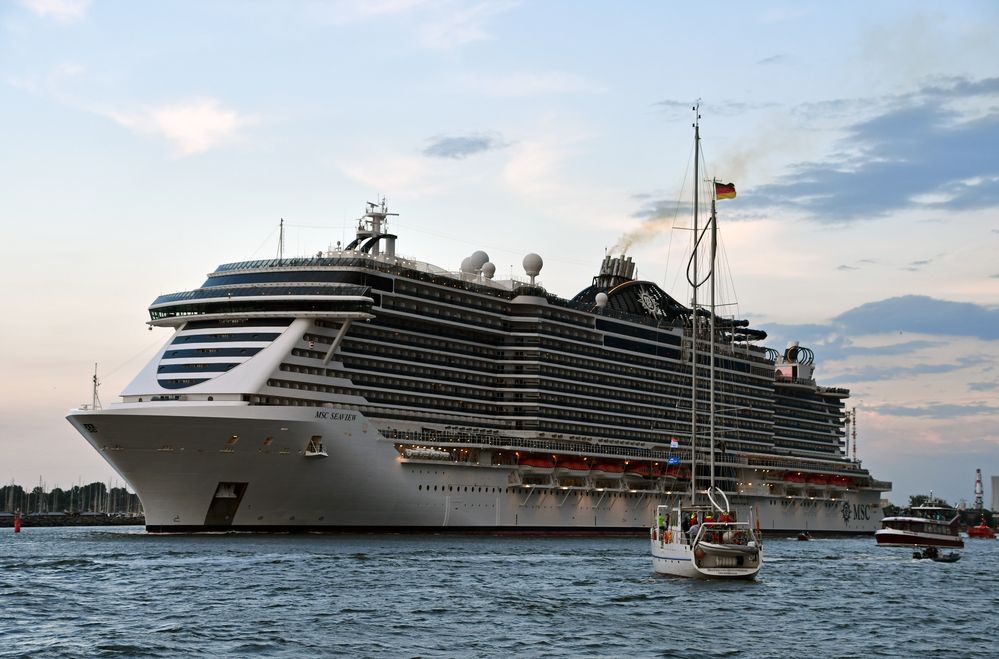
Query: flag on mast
[[724, 190]]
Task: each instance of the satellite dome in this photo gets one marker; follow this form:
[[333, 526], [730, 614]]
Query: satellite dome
[[466, 265], [488, 269], [479, 259], [533, 264], [601, 299]]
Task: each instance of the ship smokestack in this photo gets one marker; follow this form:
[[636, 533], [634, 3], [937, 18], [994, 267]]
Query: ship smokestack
[[614, 271]]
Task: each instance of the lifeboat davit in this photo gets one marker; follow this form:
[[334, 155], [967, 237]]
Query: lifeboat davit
[[573, 467], [536, 465], [610, 470]]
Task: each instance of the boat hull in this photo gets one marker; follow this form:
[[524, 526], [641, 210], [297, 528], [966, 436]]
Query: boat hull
[[220, 466], [889, 537], [678, 560]]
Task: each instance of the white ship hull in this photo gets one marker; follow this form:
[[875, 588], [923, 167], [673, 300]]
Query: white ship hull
[[221, 466]]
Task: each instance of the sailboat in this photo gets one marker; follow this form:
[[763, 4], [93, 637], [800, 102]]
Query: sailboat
[[704, 540]]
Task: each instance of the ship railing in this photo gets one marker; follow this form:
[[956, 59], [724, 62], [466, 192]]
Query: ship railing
[[830, 467], [426, 437], [783, 379]]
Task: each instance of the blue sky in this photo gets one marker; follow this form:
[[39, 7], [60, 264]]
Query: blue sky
[[146, 143]]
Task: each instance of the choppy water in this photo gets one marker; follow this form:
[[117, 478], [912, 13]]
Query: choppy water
[[75, 592]]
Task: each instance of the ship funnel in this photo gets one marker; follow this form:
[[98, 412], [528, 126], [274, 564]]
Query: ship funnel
[[615, 270]]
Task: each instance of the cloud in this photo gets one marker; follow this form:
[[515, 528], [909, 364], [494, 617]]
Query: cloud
[[63, 11], [921, 314], [722, 108], [892, 161], [462, 146], [530, 84], [437, 24], [192, 127], [915, 266], [870, 373], [896, 317], [773, 59], [390, 171], [937, 410], [983, 386], [458, 24]]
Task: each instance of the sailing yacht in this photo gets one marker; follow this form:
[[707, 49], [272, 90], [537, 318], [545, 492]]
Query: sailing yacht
[[705, 541]]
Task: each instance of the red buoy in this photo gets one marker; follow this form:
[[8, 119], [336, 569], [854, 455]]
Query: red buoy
[[17, 522]]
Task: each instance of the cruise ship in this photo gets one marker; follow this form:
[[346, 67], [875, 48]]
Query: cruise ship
[[359, 389]]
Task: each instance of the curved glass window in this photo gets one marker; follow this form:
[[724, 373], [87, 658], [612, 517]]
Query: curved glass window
[[180, 384], [236, 323], [195, 368], [250, 306], [219, 338], [337, 276], [255, 291], [211, 352]]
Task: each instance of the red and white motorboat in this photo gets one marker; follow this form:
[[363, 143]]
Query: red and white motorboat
[[922, 526]]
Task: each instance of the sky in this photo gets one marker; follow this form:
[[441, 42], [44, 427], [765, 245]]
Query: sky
[[146, 143]]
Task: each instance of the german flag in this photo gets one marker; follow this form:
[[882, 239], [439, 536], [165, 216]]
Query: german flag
[[724, 191]]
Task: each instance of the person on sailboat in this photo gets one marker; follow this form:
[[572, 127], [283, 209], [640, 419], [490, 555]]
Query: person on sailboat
[[694, 528]]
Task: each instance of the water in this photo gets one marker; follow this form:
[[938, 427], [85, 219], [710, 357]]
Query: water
[[80, 592]]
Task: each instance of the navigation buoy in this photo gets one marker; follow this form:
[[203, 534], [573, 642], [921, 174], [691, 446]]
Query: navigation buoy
[[17, 522]]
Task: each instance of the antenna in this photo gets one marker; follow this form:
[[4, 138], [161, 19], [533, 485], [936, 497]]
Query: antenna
[[96, 403], [853, 417], [281, 240]]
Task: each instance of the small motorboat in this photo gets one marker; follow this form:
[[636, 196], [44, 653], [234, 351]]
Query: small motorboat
[[934, 554], [804, 535], [982, 530]]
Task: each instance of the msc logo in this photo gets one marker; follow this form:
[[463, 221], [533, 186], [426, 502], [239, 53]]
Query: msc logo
[[858, 512], [91, 428]]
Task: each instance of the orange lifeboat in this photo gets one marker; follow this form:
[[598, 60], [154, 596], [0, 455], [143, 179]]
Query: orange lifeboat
[[609, 470], [982, 530], [530, 464]]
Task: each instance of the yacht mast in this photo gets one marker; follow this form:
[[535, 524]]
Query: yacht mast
[[693, 327], [711, 335]]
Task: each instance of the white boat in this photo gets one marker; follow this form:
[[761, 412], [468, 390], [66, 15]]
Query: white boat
[[922, 526], [715, 545], [715, 550]]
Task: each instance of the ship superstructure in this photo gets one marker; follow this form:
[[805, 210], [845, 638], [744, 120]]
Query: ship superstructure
[[359, 388]]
